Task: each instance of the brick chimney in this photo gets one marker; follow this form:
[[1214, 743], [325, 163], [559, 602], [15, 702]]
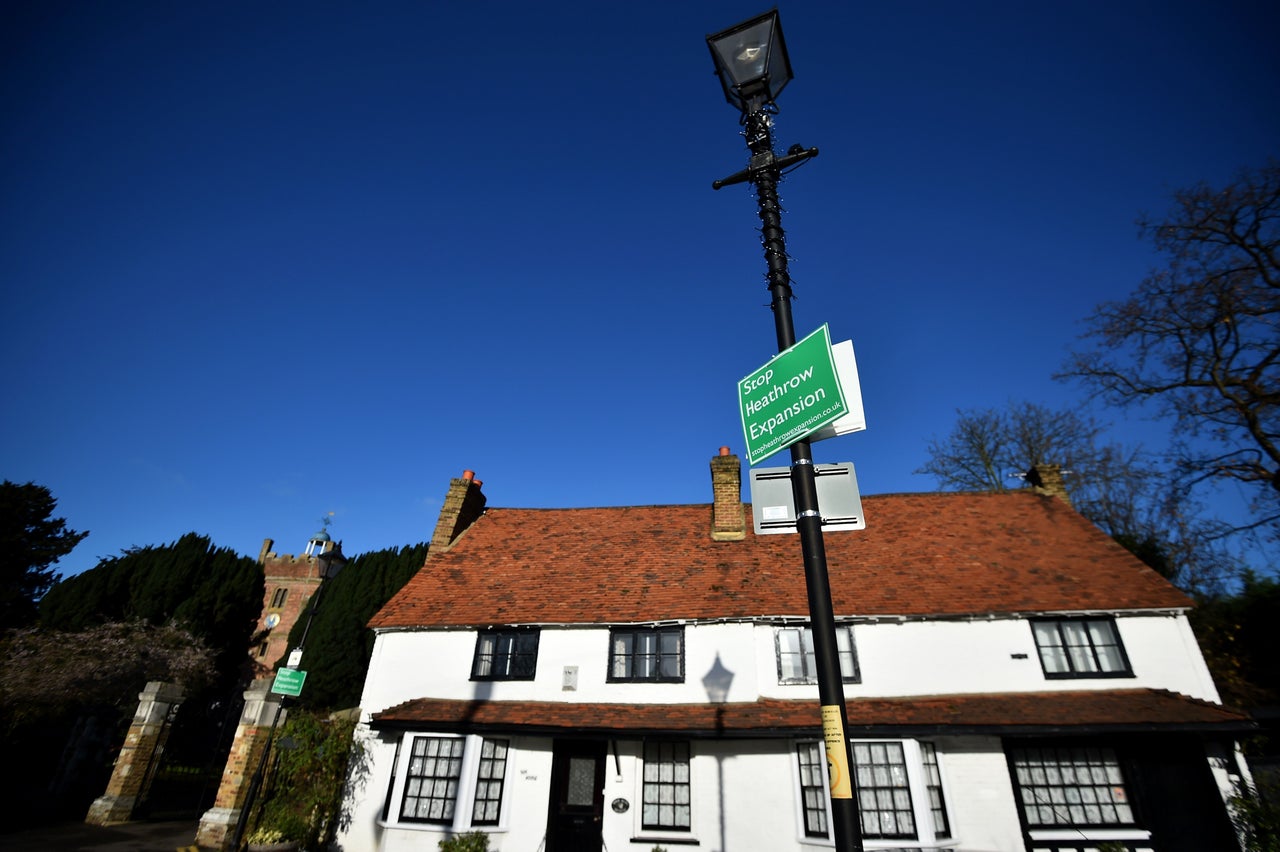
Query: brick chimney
[[728, 519], [462, 506], [1047, 479]]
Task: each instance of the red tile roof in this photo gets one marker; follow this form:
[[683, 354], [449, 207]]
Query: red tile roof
[[1008, 713], [948, 554]]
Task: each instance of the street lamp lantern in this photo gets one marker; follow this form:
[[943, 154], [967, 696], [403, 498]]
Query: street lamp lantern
[[331, 562], [751, 61]]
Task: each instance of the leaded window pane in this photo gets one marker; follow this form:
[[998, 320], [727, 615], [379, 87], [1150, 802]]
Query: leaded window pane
[[431, 787], [492, 773], [884, 793], [933, 784], [666, 793], [1085, 787]]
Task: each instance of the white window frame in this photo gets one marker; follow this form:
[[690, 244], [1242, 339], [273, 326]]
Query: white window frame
[[843, 632], [464, 804], [917, 784]]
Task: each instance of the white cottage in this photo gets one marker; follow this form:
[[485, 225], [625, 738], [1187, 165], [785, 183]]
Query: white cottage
[[631, 677]]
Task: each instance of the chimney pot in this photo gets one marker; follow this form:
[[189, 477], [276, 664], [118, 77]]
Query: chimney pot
[[463, 504], [1047, 479], [728, 517]]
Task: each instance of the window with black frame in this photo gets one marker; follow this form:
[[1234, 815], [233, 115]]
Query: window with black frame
[[646, 654], [812, 763], [506, 654], [666, 796], [431, 782], [884, 793], [933, 784], [1071, 786], [490, 777], [883, 771], [1080, 647]]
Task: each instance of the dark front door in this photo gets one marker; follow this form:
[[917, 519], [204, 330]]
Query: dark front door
[[1182, 805], [577, 796]]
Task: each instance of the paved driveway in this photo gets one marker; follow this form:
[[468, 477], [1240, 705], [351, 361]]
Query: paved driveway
[[127, 837]]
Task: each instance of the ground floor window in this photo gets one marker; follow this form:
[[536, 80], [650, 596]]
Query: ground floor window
[[933, 783], [450, 781], [431, 784], [489, 780], [884, 796], [813, 788], [899, 790], [666, 795], [1071, 786]]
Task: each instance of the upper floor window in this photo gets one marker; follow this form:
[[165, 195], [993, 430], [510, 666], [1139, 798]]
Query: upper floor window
[[505, 655], [666, 793], [1071, 786], [797, 662], [278, 596], [1080, 647], [646, 654]]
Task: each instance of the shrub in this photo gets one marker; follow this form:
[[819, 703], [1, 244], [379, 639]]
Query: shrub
[[1256, 815], [472, 841]]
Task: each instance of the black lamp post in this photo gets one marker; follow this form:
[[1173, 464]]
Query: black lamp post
[[752, 63]]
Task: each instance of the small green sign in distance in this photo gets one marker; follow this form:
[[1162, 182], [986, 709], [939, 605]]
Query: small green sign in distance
[[288, 682], [795, 394]]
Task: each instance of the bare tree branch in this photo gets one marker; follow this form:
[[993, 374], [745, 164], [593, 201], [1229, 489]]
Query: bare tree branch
[[1200, 337]]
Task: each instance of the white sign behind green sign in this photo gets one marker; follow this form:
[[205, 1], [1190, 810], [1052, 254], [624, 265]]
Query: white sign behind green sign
[[794, 394]]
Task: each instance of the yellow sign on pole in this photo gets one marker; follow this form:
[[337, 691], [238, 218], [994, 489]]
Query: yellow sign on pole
[[837, 752]]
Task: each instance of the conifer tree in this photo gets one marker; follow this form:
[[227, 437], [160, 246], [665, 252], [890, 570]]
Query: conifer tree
[[211, 591], [339, 644]]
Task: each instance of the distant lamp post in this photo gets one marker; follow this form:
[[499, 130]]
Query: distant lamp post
[[753, 66], [330, 560]]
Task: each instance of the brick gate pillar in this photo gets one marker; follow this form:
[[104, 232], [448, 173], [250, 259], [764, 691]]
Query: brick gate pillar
[[136, 763], [218, 825]]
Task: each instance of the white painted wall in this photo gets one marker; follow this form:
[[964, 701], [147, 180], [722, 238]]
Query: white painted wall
[[979, 792], [895, 658]]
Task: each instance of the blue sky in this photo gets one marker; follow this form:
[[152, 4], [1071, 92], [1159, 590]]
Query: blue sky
[[266, 261]]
